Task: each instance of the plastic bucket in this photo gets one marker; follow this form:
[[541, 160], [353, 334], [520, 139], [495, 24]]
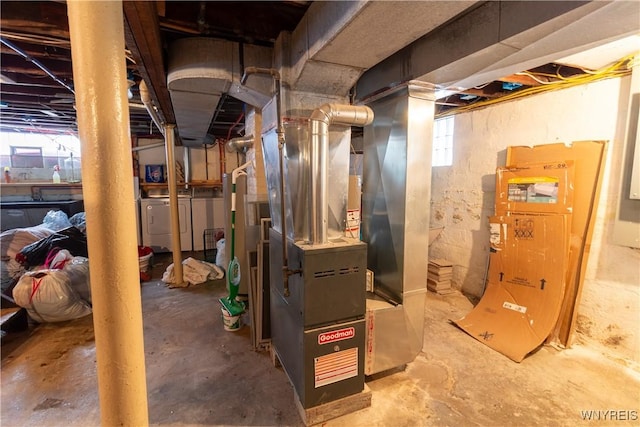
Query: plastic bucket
[[144, 262], [231, 323]]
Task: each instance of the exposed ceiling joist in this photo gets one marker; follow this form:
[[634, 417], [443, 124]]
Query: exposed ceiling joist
[[142, 37]]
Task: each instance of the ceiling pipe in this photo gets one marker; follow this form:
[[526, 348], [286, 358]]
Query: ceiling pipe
[[275, 74], [36, 63], [240, 144], [146, 147], [319, 123], [148, 103]]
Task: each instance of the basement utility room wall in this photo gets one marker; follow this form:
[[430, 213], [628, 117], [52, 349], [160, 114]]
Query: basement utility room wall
[[463, 198], [205, 160]]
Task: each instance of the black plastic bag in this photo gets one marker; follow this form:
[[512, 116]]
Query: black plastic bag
[[70, 239]]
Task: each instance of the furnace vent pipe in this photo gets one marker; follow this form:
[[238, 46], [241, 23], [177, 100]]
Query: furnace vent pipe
[[146, 100], [240, 144], [319, 122], [286, 271]]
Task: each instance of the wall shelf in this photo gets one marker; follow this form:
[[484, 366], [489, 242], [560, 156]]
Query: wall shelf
[[182, 184]]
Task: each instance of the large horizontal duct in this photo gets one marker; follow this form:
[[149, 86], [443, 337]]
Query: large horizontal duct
[[200, 71], [337, 41], [499, 38]]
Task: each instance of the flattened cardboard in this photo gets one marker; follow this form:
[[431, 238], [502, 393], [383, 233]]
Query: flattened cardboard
[[535, 188], [589, 159], [526, 284]]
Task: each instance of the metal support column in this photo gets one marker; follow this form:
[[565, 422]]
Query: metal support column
[[169, 137], [97, 47]]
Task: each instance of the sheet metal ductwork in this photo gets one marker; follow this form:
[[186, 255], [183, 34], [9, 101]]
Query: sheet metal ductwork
[[200, 71], [395, 222], [240, 144], [319, 123]]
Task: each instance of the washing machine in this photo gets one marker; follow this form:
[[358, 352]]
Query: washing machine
[[155, 219]]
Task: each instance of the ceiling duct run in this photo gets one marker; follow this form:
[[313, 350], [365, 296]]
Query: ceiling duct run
[[200, 71]]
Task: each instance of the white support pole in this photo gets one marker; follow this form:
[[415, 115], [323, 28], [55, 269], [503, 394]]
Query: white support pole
[[97, 48]]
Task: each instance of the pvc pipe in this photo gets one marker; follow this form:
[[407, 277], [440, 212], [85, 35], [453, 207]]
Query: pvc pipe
[[172, 182], [275, 74], [97, 48]]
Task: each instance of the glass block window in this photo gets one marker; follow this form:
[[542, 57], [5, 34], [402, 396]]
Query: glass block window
[[442, 142]]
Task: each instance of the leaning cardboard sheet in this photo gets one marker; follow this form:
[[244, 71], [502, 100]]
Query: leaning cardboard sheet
[[526, 284], [528, 260]]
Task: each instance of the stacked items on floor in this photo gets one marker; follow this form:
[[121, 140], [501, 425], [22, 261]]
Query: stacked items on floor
[[439, 276]]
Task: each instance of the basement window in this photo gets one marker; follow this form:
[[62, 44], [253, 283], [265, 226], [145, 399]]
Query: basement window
[[26, 157], [442, 142]]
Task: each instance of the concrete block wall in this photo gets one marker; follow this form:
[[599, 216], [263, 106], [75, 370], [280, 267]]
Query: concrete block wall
[[463, 196]]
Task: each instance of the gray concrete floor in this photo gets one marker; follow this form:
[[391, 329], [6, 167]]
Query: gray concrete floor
[[198, 374]]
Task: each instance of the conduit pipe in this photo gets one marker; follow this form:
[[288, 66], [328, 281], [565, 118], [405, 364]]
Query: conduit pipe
[[146, 147], [240, 144], [319, 123], [97, 40], [148, 103], [275, 74], [36, 63]]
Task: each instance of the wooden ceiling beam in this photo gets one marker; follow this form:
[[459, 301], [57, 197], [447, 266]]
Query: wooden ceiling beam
[[17, 64], [481, 93], [523, 79], [142, 37], [40, 18], [39, 53], [55, 91]]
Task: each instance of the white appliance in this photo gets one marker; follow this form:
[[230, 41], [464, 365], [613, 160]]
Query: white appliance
[[206, 213], [137, 208], [156, 223]]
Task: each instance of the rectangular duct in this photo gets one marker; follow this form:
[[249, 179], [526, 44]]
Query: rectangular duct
[[395, 222]]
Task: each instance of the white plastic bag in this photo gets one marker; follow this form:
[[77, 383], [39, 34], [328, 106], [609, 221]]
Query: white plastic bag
[[56, 295], [220, 253], [56, 220]]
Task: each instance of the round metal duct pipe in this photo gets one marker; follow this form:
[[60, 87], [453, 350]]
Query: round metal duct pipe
[[319, 122], [240, 144]]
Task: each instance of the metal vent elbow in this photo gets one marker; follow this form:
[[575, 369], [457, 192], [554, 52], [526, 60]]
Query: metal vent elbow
[[338, 114], [319, 123], [240, 144]]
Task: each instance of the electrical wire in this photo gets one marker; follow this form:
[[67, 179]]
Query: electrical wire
[[619, 68]]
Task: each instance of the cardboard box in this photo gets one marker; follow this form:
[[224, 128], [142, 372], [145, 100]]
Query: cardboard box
[[526, 284], [535, 188], [589, 160]]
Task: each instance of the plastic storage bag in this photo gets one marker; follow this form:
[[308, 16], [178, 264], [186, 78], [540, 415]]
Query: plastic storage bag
[[220, 253], [56, 295], [79, 221], [56, 220], [70, 238]]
